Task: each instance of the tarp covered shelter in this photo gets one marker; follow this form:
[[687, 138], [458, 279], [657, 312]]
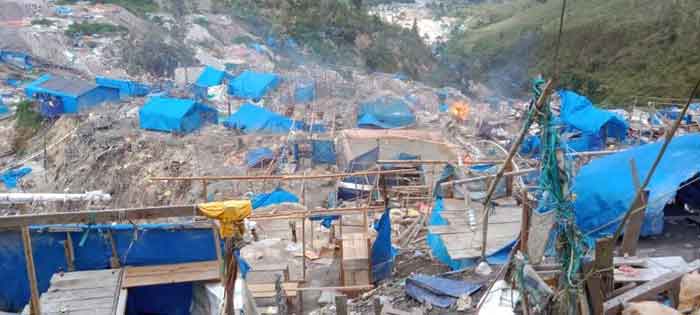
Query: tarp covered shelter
[[126, 88], [385, 113], [277, 196], [254, 119], [59, 95], [253, 85], [175, 115], [259, 156], [578, 113], [604, 188], [210, 77]]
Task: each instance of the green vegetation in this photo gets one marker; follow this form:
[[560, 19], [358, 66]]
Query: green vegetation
[[27, 123], [139, 57], [42, 22], [612, 50], [89, 29], [204, 22], [138, 7]]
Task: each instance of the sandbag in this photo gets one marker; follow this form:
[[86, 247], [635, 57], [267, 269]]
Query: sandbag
[[649, 308]]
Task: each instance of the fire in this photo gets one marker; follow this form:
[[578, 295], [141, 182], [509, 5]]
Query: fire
[[459, 110]]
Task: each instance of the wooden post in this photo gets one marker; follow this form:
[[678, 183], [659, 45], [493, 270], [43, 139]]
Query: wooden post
[[509, 180], [70, 252], [219, 256], [204, 190], [634, 227], [303, 248], [35, 308], [525, 223], [293, 229], [341, 305], [114, 260]]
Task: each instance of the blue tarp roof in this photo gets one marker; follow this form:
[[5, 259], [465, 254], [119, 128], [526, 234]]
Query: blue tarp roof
[[253, 85], [604, 188], [210, 77], [258, 155], [10, 177], [578, 112], [440, 292], [175, 115], [277, 196], [385, 113], [126, 88], [254, 119]]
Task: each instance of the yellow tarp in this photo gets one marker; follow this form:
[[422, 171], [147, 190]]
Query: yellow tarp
[[230, 214]]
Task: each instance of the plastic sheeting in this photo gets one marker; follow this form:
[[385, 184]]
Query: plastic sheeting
[[3, 108], [253, 85], [254, 119], [277, 196], [175, 115], [604, 188], [10, 177], [305, 93], [353, 186], [150, 245], [440, 292], [209, 77], [439, 250], [255, 157], [385, 113], [382, 251], [323, 152], [578, 112]]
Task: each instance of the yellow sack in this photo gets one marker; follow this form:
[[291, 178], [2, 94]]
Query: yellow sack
[[230, 214]]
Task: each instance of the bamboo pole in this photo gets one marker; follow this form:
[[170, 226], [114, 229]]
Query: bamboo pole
[[35, 308]]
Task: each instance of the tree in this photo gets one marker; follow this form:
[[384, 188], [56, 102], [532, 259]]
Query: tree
[[154, 55]]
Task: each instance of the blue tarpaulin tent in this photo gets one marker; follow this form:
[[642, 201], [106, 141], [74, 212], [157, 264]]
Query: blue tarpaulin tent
[[258, 156], [254, 119], [175, 115], [126, 88], [59, 95], [382, 251], [253, 85], [209, 77], [385, 113], [151, 244], [578, 112], [604, 188], [277, 196]]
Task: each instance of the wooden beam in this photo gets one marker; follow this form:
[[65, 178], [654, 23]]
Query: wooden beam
[[70, 252], [35, 308], [121, 302], [630, 238], [283, 177], [420, 162]]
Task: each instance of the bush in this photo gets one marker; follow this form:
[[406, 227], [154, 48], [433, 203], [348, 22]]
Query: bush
[[89, 29], [139, 56]]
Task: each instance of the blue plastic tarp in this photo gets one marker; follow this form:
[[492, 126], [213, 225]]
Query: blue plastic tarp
[[277, 196], [126, 88], [672, 113], [385, 113], [326, 220], [254, 119], [253, 85], [382, 251], [255, 157], [604, 188], [444, 108], [531, 146], [175, 115], [209, 77], [3, 108], [440, 292], [439, 250], [323, 151], [578, 112], [352, 187], [150, 245], [10, 177], [304, 93]]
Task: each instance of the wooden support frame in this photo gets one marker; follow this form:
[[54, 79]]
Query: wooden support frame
[[70, 252], [630, 238], [35, 307]]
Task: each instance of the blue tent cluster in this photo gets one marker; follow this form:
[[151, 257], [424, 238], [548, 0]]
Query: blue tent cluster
[[127, 88], [385, 113], [149, 245], [175, 115], [58, 95], [251, 119], [600, 204], [253, 85]]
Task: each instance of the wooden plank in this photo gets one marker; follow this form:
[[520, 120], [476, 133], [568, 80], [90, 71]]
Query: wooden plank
[[35, 308], [268, 290], [78, 294], [85, 304], [70, 252], [88, 274], [167, 274], [83, 284], [634, 226]]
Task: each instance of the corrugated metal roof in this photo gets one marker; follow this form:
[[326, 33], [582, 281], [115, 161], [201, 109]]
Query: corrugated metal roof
[[73, 87]]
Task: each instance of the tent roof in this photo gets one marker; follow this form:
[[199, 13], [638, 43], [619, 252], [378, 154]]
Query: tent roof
[[210, 77], [578, 112], [169, 107], [69, 86]]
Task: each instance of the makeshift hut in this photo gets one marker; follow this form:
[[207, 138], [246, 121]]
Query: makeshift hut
[[253, 85], [385, 113], [254, 119], [175, 115], [259, 157], [604, 189], [58, 95], [210, 78], [126, 88], [589, 126]]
